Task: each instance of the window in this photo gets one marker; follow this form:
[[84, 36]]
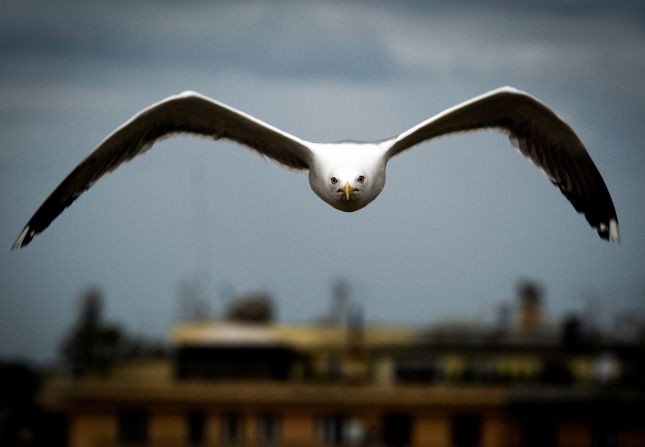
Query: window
[[268, 429], [466, 430], [232, 428], [132, 426], [538, 430], [355, 432], [397, 429], [339, 429], [330, 429], [606, 434], [195, 423]]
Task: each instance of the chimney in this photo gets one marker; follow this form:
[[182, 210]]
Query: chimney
[[530, 315]]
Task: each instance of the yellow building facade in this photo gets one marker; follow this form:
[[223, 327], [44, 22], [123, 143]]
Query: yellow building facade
[[282, 385]]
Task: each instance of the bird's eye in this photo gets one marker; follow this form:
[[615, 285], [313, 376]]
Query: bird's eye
[[333, 180], [361, 179]]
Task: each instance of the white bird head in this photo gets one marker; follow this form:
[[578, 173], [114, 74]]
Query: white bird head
[[348, 176]]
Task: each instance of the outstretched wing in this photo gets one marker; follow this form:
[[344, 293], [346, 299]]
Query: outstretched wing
[[188, 112], [541, 136]]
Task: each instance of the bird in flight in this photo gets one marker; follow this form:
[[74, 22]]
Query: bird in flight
[[349, 175]]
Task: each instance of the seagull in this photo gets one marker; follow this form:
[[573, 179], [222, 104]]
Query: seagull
[[348, 175]]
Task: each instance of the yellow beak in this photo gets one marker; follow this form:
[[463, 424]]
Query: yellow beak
[[347, 189]]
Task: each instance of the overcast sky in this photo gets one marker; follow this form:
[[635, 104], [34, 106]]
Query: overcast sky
[[459, 222]]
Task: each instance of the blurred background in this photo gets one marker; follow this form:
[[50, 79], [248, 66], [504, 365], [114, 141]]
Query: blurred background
[[201, 295]]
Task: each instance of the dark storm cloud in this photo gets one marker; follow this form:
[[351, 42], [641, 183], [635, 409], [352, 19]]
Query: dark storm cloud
[[249, 37], [553, 7], [315, 40]]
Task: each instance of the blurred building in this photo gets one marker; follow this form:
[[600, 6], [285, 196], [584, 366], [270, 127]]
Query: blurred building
[[351, 384]]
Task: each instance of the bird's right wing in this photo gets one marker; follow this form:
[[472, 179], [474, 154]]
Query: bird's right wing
[[188, 112]]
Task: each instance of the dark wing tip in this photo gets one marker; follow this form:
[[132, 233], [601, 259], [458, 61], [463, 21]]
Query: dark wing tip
[[25, 236], [590, 197], [598, 210], [611, 231]]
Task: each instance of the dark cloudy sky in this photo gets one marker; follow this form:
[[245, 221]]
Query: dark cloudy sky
[[460, 221]]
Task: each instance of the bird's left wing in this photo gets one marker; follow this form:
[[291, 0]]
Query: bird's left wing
[[188, 112], [540, 135]]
